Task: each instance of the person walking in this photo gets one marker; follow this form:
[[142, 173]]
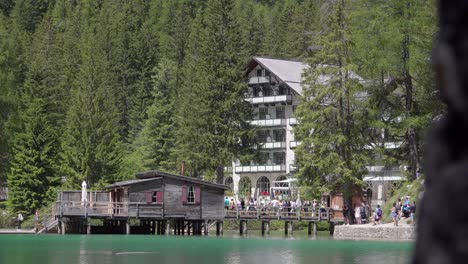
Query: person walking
[[357, 214], [36, 220], [394, 213], [378, 215], [20, 220], [346, 214]]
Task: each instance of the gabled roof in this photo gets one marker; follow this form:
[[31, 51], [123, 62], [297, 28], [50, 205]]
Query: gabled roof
[[150, 175], [130, 182], [290, 72]]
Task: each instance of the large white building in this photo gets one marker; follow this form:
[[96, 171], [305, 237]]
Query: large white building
[[274, 87]]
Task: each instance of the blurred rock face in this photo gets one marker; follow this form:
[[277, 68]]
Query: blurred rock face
[[443, 218]]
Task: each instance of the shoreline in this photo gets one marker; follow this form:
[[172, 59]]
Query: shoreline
[[402, 232]]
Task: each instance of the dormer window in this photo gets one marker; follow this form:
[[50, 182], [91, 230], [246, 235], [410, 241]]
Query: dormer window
[[259, 72]]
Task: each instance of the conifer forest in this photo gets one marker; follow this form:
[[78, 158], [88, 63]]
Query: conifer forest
[[98, 90]]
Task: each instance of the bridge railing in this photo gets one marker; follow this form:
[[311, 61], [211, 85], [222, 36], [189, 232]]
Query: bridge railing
[[108, 209], [281, 213]]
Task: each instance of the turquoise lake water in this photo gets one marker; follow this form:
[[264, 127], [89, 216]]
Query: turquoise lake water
[[136, 249]]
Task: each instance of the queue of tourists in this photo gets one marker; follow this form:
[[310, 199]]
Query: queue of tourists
[[361, 214], [275, 204]]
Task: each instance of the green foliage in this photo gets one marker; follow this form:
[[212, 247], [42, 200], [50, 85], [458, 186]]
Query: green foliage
[[213, 92], [332, 114], [33, 167], [412, 189], [126, 86]]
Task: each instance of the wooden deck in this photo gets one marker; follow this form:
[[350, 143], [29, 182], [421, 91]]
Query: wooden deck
[[109, 210]]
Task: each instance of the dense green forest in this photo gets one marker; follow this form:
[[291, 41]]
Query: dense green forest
[[97, 90]]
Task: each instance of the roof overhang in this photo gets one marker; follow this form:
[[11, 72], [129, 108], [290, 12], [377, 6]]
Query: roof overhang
[[155, 174]]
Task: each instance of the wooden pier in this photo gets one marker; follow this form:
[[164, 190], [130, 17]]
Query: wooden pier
[[160, 203], [144, 218]]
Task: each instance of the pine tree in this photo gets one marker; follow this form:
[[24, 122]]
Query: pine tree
[[33, 168], [214, 115], [331, 115], [153, 148], [92, 148], [393, 52]]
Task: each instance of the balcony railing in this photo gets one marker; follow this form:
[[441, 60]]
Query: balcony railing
[[261, 168], [294, 144], [268, 122], [259, 79], [272, 145], [270, 99], [293, 168], [292, 121]]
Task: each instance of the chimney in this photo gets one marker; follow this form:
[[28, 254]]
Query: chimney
[[182, 168]]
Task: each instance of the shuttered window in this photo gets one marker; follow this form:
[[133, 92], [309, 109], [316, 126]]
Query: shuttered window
[[149, 197], [159, 197], [184, 194], [190, 195], [197, 195]]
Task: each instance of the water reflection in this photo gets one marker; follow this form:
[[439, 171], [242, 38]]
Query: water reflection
[[170, 249]]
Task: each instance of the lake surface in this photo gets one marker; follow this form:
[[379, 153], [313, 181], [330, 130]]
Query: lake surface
[[137, 249]]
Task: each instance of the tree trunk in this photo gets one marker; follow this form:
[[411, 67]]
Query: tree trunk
[[220, 174]]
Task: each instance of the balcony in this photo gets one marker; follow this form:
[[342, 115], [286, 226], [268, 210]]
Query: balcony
[[260, 168], [272, 145], [294, 144], [292, 121], [293, 168], [259, 79], [386, 145], [270, 99], [268, 122]]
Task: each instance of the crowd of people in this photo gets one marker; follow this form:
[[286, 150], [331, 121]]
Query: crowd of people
[[360, 214], [405, 209], [263, 203]]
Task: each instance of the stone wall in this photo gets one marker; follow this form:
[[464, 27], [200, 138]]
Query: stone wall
[[374, 232]]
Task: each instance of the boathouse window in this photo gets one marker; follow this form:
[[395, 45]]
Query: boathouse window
[[191, 194], [154, 197]]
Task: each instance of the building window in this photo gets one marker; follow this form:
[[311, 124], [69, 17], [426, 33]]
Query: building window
[[259, 72], [279, 158], [229, 182], [258, 91], [262, 113], [283, 90], [267, 90], [263, 135], [267, 73], [263, 186], [154, 197], [294, 107], [264, 157], [280, 112], [279, 135], [190, 194], [283, 185]]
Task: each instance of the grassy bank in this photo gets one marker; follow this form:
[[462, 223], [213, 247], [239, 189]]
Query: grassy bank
[[412, 189]]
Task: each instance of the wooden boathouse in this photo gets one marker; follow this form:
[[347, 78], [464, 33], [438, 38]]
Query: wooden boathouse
[[162, 203], [154, 203]]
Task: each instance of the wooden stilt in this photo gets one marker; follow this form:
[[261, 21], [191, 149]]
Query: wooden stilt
[[88, 226], [127, 227]]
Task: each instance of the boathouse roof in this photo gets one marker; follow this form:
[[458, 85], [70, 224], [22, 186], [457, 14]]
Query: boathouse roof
[[158, 175]]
